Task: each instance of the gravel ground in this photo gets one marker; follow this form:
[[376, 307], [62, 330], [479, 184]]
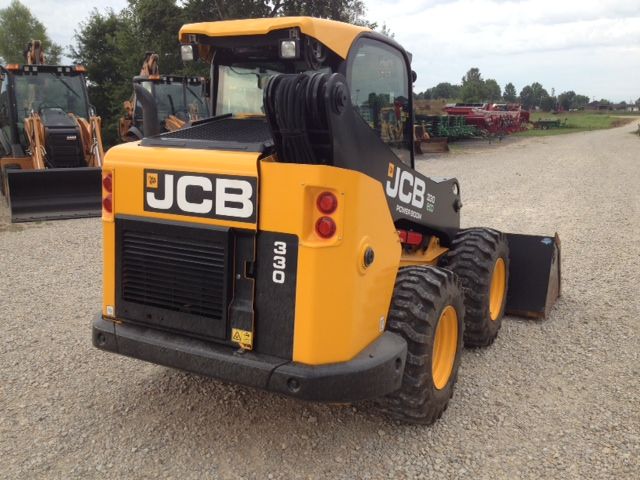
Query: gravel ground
[[550, 399]]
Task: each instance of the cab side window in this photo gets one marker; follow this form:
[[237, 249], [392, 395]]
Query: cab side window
[[5, 127], [378, 79]]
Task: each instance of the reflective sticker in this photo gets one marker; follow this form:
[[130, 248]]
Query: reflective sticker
[[244, 338], [152, 180], [391, 170]]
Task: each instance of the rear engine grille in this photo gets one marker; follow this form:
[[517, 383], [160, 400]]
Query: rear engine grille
[[173, 276]]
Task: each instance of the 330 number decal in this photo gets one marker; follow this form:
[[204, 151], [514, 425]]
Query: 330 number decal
[[279, 262]]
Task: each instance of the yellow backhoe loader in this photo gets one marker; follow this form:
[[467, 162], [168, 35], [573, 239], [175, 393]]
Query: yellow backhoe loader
[[50, 141], [288, 242], [179, 101]]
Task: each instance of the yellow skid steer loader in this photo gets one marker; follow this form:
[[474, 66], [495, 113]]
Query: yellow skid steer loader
[[289, 244], [50, 141]]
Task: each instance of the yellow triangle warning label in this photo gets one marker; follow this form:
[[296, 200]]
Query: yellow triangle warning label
[[244, 338]]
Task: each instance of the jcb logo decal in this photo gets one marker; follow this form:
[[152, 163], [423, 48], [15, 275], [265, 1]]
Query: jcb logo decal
[[152, 180], [410, 190], [406, 187], [201, 195]]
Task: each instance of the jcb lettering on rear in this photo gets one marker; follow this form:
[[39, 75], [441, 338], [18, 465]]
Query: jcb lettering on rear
[[201, 195]]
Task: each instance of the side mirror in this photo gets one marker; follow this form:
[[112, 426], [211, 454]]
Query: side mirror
[[414, 76]]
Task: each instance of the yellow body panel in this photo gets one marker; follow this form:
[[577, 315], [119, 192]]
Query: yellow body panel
[[337, 36], [128, 161], [108, 266], [341, 307]]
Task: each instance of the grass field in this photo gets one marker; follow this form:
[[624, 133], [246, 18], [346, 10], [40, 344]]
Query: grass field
[[576, 122]]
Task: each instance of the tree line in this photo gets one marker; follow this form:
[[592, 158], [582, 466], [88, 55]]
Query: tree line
[[474, 89]]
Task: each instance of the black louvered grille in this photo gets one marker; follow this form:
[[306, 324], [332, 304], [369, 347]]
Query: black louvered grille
[[173, 276], [228, 129]]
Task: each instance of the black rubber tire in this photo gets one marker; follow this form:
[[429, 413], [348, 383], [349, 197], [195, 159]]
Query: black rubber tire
[[472, 258], [420, 295]]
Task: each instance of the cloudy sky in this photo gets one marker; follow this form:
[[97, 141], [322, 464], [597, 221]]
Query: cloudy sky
[[590, 46]]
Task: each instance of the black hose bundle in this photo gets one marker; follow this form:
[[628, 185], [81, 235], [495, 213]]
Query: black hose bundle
[[295, 108]]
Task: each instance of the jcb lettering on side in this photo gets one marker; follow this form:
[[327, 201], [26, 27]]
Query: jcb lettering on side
[[406, 187], [201, 195]]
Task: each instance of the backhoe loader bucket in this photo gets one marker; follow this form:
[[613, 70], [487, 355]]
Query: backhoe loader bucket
[[54, 193], [534, 275]]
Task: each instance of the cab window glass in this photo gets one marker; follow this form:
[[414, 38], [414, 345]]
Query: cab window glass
[[380, 93], [5, 127], [196, 102]]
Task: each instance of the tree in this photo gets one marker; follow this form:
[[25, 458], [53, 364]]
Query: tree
[[492, 90], [510, 95], [152, 25], [526, 97], [531, 96], [351, 11], [445, 90], [548, 103], [580, 101], [385, 30], [17, 28], [99, 49], [566, 100], [473, 88]]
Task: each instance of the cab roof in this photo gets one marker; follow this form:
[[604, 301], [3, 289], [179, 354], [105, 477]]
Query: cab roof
[[337, 36]]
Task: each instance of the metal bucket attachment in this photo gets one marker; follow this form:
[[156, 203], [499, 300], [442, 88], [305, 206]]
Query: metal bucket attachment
[[534, 275], [54, 193], [435, 145]]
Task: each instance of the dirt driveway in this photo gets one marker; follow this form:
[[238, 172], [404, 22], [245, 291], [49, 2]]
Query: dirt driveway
[[552, 399]]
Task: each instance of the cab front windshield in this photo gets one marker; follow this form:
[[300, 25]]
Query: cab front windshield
[[49, 90]]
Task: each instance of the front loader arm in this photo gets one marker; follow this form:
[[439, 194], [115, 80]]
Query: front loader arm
[[34, 131], [97, 148]]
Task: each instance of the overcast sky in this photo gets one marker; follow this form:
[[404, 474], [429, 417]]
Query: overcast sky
[[590, 46]]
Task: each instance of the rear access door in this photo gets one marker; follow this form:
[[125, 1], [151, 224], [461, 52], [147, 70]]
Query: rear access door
[[174, 275]]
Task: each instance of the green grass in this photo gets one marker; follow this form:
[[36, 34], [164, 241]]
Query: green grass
[[575, 122]]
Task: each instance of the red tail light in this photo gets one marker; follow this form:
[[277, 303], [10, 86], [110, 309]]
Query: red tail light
[[107, 182], [327, 202], [107, 203], [410, 238], [325, 227], [107, 195]]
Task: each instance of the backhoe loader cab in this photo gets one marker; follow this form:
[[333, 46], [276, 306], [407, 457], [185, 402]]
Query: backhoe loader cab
[[50, 143], [289, 244], [179, 101]]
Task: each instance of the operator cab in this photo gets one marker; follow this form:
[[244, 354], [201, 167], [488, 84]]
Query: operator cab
[[376, 67], [53, 92], [182, 97]]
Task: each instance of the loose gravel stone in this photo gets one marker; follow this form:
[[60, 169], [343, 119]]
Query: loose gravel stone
[[558, 398]]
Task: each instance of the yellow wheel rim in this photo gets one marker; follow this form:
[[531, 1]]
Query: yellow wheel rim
[[445, 346], [498, 288]]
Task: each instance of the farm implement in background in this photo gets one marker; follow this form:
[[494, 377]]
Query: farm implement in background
[[547, 123], [497, 119]]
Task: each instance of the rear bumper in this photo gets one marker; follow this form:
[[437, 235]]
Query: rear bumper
[[375, 372]]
